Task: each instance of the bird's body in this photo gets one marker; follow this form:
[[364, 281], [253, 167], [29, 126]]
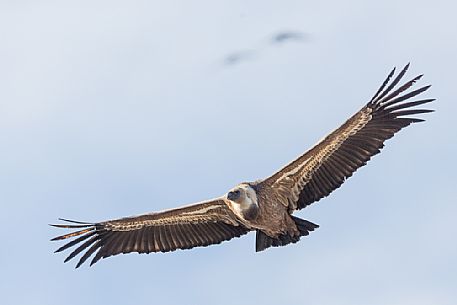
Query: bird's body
[[270, 216], [264, 206]]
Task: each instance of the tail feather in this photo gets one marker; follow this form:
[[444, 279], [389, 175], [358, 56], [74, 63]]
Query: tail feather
[[304, 226], [263, 241]]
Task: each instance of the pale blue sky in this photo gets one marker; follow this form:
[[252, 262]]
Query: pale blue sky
[[114, 108]]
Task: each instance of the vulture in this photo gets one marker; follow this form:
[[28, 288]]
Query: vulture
[[264, 206]]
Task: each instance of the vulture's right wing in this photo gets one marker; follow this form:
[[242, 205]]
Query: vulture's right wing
[[201, 224]]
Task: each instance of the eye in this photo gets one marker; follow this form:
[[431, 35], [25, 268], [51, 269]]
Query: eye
[[237, 192]]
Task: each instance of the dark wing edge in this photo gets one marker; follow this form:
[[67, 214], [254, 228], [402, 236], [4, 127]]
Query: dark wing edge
[[202, 224], [328, 164]]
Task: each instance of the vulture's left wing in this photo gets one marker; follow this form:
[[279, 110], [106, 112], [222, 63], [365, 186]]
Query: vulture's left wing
[[327, 165], [201, 224]]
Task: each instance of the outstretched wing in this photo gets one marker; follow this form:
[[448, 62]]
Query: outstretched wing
[[327, 165], [200, 224]]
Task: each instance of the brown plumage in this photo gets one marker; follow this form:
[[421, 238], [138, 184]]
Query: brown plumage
[[264, 206], [201, 224]]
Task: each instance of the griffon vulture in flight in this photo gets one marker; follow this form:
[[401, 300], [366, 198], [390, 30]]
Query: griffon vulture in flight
[[264, 206]]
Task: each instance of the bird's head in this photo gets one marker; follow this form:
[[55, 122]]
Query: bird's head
[[243, 199], [242, 193]]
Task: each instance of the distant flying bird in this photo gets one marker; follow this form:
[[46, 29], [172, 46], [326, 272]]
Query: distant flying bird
[[238, 57], [264, 206], [288, 36], [242, 56]]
